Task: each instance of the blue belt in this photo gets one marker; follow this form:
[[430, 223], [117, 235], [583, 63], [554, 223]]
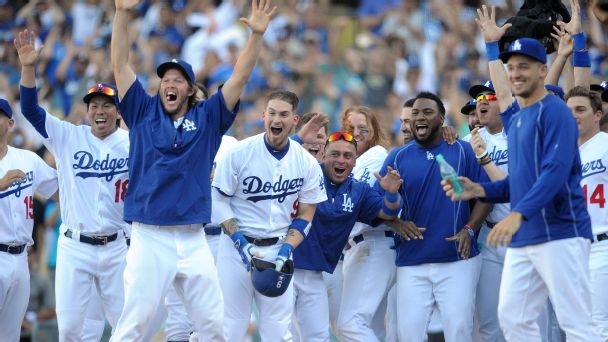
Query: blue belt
[[12, 249], [213, 230]]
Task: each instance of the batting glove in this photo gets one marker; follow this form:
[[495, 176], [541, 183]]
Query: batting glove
[[246, 249], [283, 256]]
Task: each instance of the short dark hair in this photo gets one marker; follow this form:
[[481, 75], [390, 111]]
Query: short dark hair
[[284, 95], [409, 103], [594, 97], [305, 118], [431, 96]]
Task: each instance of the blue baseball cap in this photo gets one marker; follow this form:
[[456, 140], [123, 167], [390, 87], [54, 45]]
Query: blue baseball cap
[[599, 87], [178, 64], [5, 108], [528, 47], [481, 88], [468, 107], [555, 90], [104, 89]]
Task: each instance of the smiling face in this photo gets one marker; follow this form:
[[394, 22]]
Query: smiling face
[[175, 92], [406, 128], [426, 122], [339, 161], [587, 120], [317, 149], [526, 75], [360, 130], [102, 115], [279, 121]]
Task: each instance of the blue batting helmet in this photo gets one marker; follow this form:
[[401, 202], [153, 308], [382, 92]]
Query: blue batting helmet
[[268, 281]]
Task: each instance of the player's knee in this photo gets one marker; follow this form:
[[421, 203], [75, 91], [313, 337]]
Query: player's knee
[[349, 326], [69, 327]]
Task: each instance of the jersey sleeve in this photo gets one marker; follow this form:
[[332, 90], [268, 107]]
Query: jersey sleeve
[[58, 133], [220, 115], [313, 190], [225, 178], [371, 203], [45, 179], [508, 114], [135, 104], [559, 135], [497, 192]]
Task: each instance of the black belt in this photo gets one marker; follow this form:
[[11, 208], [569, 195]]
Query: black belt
[[491, 224], [601, 237], [12, 249], [128, 242], [99, 240], [359, 238], [262, 242], [213, 230]]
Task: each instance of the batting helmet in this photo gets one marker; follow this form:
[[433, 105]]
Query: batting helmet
[[268, 281]]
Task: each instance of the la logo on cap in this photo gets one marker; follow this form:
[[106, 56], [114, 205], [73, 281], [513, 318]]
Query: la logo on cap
[[604, 84], [487, 84], [174, 60], [516, 46]]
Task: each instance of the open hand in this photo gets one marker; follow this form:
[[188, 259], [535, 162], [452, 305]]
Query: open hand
[[391, 182], [464, 242], [487, 24], [24, 43], [471, 190], [407, 229], [565, 43], [503, 231], [260, 15]]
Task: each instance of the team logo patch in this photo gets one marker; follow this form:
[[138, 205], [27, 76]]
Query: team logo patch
[[19, 186], [347, 203], [429, 156], [106, 168], [189, 125], [278, 190]]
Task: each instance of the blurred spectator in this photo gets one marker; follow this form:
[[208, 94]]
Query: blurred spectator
[[39, 323]]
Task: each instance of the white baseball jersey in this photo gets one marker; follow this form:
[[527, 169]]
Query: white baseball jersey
[[93, 176], [594, 160], [17, 202], [496, 145], [264, 190], [227, 144], [369, 162]]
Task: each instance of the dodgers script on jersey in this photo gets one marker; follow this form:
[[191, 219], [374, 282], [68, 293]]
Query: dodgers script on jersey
[[17, 202], [93, 176], [369, 162], [496, 145], [594, 161], [266, 199]]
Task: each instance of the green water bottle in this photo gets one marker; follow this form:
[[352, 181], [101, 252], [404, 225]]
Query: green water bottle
[[449, 174]]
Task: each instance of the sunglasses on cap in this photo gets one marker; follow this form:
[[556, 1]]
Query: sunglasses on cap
[[342, 136], [102, 90], [486, 96]]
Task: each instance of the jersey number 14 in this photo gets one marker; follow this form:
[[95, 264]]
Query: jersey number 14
[[597, 196]]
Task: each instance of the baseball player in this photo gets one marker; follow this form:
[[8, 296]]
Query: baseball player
[[349, 201], [174, 139], [368, 259], [490, 145], [442, 268], [548, 231], [92, 173], [470, 110], [266, 190], [23, 173], [406, 119], [593, 147]]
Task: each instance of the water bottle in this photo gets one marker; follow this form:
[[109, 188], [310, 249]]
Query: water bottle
[[449, 174]]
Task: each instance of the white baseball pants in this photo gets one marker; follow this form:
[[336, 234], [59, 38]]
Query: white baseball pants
[[14, 294], [333, 283], [275, 313], [164, 256], [556, 269], [451, 285], [598, 276], [311, 310]]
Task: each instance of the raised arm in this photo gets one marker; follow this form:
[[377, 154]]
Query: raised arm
[[492, 34], [119, 46], [580, 57], [258, 22], [564, 50]]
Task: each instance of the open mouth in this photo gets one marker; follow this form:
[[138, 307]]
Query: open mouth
[[171, 97], [276, 130], [100, 121], [339, 171], [478, 125], [313, 150], [422, 129], [483, 110]]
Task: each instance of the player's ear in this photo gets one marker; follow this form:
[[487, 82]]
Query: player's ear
[[11, 123], [296, 119]]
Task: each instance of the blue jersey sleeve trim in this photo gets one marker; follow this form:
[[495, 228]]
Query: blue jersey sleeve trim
[[296, 138], [221, 192], [32, 111]]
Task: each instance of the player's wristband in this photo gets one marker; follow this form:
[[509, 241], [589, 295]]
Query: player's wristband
[[580, 59], [388, 211], [470, 230], [300, 225], [484, 154], [391, 198], [492, 51], [580, 42]]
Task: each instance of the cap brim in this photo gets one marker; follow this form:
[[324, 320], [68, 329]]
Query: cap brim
[[605, 96], [87, 98], [597, 87], [504, 56], [466, 110], [478, 89], [162, 69]]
